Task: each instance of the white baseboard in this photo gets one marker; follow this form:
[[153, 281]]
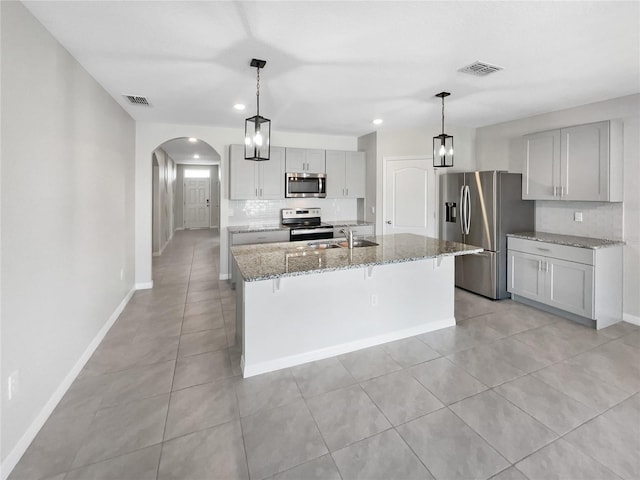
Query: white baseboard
[[627, 317], [16, 453], [320, 354], [144, 285]]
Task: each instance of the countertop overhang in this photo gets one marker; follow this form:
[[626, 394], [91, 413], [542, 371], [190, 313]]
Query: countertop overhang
[[287, 259]]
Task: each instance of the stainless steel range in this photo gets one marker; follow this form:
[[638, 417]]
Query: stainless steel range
[[305, 224]]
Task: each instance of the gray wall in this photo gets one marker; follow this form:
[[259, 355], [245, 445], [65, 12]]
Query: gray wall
[[67, 216], [500, 147], [163, 200]]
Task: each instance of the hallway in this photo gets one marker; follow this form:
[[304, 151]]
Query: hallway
[[510, 391]]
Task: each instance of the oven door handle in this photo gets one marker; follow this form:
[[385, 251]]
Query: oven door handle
[[306, 231]]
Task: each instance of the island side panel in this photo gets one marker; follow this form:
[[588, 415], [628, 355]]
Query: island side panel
[[294, 320]]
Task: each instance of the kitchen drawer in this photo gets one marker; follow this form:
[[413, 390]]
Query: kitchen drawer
[[563, 252], [271, 236]]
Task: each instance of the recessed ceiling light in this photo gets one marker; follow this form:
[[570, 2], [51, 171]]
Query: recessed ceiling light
[[239, 106], [378, 121], [193, 139], [196, 156]]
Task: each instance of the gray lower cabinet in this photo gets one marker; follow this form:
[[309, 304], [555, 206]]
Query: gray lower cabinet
[[582, 282]]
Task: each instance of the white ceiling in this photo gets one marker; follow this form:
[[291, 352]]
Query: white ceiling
[[332, 67]]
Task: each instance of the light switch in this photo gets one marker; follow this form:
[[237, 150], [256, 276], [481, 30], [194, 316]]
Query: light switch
[[577, 216]]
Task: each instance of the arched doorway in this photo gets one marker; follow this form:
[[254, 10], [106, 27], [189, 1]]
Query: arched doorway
[[175, 163]]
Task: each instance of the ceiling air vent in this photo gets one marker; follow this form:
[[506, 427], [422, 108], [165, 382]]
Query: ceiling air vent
[[137, 100], [480, 69]]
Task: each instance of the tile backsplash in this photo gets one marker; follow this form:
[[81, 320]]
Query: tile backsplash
[[266, 212], [599, 220]]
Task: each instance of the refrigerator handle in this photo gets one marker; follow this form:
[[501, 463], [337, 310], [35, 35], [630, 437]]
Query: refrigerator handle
[[467, 209], [463, 221]]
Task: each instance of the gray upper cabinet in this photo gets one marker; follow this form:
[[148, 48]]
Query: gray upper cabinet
[[305, 160], [581, 163], [251, 180], [346, 174]]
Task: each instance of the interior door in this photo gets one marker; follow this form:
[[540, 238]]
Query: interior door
[[196, 203], [409, 197]]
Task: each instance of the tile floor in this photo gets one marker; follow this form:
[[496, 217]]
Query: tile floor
[[509, 393]]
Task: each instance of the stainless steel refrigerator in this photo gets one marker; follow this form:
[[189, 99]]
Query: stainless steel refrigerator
[[480, 208]]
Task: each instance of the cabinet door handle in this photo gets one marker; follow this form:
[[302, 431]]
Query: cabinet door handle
[[256, 192], [260, 192], [543, 249], [561, 191], [539, 265], [555, 191], [546, 266], [347, 192]]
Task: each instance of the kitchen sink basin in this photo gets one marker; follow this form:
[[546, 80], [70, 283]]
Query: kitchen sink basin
[[323, 245], [359, 243]]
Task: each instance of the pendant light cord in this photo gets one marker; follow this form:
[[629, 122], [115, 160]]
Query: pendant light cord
[[442, 115], [258, 95]]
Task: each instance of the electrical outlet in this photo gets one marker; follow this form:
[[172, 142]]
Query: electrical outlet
[[577, 216], [374, 300], [12, 385], [373, 209]]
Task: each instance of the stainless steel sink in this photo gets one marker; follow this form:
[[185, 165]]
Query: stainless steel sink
[[359, 243], [323, 245]]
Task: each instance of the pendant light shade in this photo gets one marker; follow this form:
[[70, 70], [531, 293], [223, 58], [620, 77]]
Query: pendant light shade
[[443, 143], [257, 129]]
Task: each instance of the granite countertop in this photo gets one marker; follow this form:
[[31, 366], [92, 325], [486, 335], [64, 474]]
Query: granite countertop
[[255, 228], [350, 223], [287, 259], [570, 240]]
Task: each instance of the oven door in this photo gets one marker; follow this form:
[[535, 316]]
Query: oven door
[[300, 234]]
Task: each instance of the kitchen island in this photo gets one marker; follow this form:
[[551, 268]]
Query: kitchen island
[[297, 304]]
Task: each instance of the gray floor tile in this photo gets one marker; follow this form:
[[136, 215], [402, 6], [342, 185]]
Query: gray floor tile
[[446, 380], [508, 429], [321, 468], [123, 429], [581, 337], [615, 362], [522, 356], [266, 391], [369, 363], [200, 407], [202, 342], [469, 305], [450, 449], [204, 321], [555, 348], [486, 364], [346, 416], [561, 460], [217, 452], [632, 339], [401, 397], [511, 473], [47, 455], [460, 337], [202, 368], [515, 319], [588, 389], [620, 329], [281, 438], [410, 351], [202, 295], [322, 376], [198, 308], [139, 382], [139, 465], [382, 456], [551, 407]]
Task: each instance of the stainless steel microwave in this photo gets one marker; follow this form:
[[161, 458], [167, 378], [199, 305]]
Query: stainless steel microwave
[[305, 185]]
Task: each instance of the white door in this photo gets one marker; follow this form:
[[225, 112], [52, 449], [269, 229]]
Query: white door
[[409, 196], [196, 203]]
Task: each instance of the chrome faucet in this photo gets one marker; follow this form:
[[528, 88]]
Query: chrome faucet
[[348, 235]]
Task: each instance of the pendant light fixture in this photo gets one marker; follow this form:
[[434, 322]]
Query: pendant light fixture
[[443, 143], [257, 129]]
